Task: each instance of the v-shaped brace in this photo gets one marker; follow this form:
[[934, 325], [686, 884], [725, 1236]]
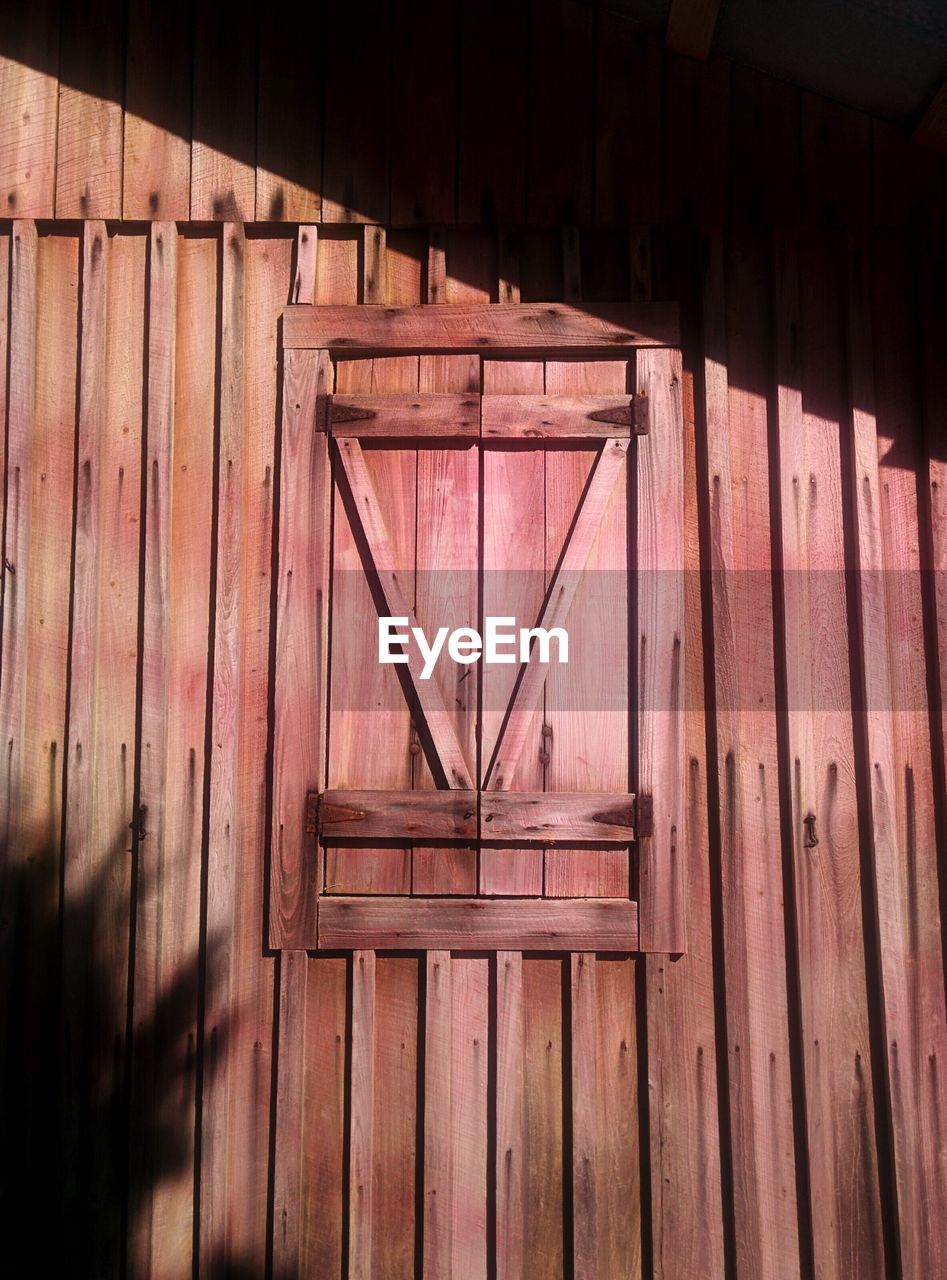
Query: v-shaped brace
[[555, 611]]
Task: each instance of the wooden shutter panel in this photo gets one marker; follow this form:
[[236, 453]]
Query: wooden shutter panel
[[425, 421]]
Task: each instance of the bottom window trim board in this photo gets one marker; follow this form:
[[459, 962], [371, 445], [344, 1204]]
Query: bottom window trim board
[[477, 924]]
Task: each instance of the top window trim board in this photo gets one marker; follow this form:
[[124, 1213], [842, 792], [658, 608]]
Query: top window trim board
[[486, 327]]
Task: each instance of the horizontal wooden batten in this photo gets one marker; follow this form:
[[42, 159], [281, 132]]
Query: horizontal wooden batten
[[549, 817], [443, 416], [522, 817], [398, 815], [478, 924], [561, 417], [505, 328]]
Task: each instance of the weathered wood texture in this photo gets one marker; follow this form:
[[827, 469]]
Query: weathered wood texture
[[767, 1105], [539, 818], [477, 924], [301, 654], [555, 417], [481, 327]]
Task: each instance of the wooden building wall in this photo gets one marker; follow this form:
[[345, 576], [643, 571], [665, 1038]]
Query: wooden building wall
[[178, 1100]]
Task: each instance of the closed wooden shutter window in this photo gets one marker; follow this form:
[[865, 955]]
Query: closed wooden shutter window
[[452, 465]]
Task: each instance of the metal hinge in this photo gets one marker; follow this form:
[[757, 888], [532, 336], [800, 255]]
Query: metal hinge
[[644, 817], [312, 812], [641, 419]]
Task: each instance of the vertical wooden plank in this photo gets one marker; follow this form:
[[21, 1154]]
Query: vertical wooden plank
[[119, 456], [6, 242], [472, 266], [513, 586], [289, 116], [510, 1114], [843, 1161], [374, 264], [406, 256], [560, 126], [436, 264], [304, 275], [509, 252], [438, 1037], [52, 444], [660, 569], [605, 1170], [687, 1224], [446, 595], [301, 647], [362, 1103], [43, 403], [355, 185], [468, 1128], [619, 1199], [29, 93], [761, 1132], [177, 579], [424, 160], [293, 1002], [16, 546], [244, 1076], [223, 150], [455, 1117], [929, 268], [695, 135], [228, 798], [765, 150], [156, 176], [885, 447], [78, 1047], [9, 712], [543, 1119], [337, 274], [289, 1121], [586, 1101], [494, 47], [174, 874], [89, 141], [161, 357], [395, 1118], [836, 150], [308, 1171], [627, 161], [586, 726], [322, 1135]]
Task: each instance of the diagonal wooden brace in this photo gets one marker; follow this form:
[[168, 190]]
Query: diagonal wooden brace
[[555, 612], [449, 758]]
